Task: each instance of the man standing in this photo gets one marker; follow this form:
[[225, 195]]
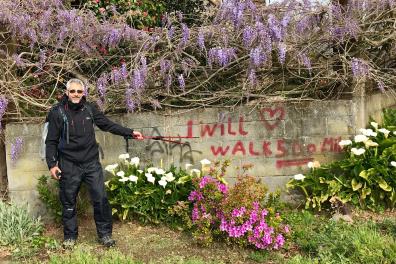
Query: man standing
[[72, 156]]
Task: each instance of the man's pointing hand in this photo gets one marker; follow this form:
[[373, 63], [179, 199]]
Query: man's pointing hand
[[137, 135]]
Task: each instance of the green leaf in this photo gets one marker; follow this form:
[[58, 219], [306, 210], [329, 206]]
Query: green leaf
[[113, 211], [392, 198], [364, 174], [149, 191], [357, 169], [113, 187], [125, 214], [307, 203], [184, 179], [384, 185], [290, 184], [356, 185], [364, 192]]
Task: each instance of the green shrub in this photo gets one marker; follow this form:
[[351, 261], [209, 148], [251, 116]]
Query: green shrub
[[191, 9], [139, 14], [48, 190], [366, 177], [237, 214], [147, 194], [146, 14], [16, 225]]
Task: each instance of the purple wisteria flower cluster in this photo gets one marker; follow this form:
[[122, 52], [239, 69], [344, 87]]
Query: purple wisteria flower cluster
[[221, 56], [69, 23], [258, 43], [251, 226], [3, 108], [16, 149], [360, 68]]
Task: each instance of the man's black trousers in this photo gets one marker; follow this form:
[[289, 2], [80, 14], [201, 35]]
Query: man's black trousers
[[91, 173]]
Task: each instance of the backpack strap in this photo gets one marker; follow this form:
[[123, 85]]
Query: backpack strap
[[65, 130], [64, 121]]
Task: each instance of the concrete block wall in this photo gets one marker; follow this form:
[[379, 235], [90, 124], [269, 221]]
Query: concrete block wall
[[376, 103], [277, 138]]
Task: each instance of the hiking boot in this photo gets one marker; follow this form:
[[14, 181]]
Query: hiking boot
[[69, 243], [107, 241]]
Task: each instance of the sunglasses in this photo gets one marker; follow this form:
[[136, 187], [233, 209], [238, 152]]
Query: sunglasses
[[72, 91]]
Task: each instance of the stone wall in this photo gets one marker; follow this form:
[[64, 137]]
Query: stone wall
[[277, 138]]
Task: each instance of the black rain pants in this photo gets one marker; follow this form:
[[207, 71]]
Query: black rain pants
[[91, 173]]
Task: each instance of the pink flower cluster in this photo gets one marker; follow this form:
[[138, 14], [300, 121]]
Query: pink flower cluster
[[250, 224], [258, 232], [204, 209]]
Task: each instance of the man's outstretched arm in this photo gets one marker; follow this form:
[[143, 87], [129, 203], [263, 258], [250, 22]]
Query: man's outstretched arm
[[106, 124]]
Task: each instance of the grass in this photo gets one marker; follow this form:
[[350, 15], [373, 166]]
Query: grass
[[314, 239], [326, 241]]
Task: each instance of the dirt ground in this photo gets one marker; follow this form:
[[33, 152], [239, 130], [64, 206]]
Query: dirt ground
[[160, 244], [154, 244]]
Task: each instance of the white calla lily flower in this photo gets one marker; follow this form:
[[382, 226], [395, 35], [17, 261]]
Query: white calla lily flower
[[195, 172], [368, 132], [121, 173], [163, 182], [360, 138], [111, 167], [140, 171], [159, 171], [148, 175], [345, 142], [299, 177], [384, 131], [151, 179], [375, 125], [169, 177], [205, 162], [151, 169], [124, 179], [133, 178], [393, 163], [370, 143], [124, 156], [358, 151], [135, 161], [313, 164]]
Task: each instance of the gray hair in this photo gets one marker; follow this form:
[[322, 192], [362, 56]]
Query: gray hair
[[74, 80]]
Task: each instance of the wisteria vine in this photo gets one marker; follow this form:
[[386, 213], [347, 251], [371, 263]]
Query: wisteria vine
[[294, 49]]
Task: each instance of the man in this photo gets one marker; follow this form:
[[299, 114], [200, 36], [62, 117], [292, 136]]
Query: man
[[72, 156]]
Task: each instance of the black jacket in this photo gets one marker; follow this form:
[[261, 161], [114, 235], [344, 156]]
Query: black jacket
[[81, 145]]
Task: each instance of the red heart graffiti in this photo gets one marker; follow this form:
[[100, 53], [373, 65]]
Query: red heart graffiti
[[278, 112]]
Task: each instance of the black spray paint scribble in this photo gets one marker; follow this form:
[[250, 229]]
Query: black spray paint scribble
[[186, 153]]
